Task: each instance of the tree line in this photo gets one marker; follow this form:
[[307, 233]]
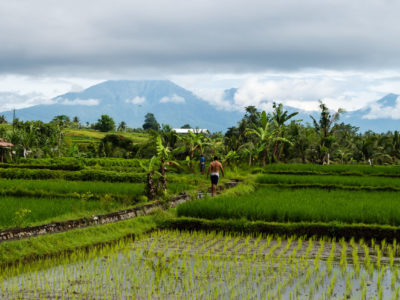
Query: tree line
[[259, 138]]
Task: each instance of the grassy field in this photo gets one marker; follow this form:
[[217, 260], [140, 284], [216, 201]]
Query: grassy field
[[90, 135], [69, 187], [295, 205], [355, 170], [331, 181], [195, 264], [24, 211]]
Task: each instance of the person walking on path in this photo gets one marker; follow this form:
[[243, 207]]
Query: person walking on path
[[214, 168], [202, 164]]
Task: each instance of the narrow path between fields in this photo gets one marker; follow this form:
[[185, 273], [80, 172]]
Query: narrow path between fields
[[56, 227]]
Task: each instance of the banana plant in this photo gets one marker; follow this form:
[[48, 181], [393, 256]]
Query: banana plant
[[151, 170], [194, 141], [165, 157]]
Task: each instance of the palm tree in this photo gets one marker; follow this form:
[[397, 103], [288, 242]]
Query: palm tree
[[122, 126], [279, 117], [263, 134], [24, 138], [324, 127]]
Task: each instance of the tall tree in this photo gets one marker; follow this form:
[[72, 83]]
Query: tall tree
[[263, 134], [105, 123], [324, 127], [280, 117], [122, 126], [3, 119], [150, 122]]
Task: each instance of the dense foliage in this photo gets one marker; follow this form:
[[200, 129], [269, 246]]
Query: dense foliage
[[260, 138]]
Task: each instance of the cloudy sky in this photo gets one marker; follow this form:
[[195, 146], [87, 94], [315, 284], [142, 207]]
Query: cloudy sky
[[346, 53]]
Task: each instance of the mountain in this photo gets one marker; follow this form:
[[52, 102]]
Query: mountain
[[380, 116], [130, 101], [171, 104]]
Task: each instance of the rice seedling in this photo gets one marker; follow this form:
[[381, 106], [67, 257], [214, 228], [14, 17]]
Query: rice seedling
[[172, 264], [313, 205], [356, 170], [25, 211], [331, 182]]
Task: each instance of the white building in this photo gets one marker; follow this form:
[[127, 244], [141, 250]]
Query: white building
[[186, 130]]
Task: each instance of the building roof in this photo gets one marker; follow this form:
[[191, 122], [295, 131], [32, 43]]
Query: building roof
[[186, 130], [5, 144]]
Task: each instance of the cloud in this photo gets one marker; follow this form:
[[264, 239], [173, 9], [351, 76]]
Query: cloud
[[348, 91], [379, 111], [10, 100], [136, 100], [131, 37], [173, 99], [77, 101]]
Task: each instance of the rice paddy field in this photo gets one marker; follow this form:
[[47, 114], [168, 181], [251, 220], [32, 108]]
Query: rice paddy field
[[197, 265], [37, 201], [286, 196], [295, 205], [170, 264]]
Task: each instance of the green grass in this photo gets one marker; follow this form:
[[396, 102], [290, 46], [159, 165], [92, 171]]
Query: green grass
[[311, 205], [90, 134], [356, 170], [66, 242], [69, 187], [366, 232], [330, 180], [46, 210]]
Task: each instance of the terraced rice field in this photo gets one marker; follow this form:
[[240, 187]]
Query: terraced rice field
[[198, 265]]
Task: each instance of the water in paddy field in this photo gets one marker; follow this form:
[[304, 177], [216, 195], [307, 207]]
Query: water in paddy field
[[173, 265]]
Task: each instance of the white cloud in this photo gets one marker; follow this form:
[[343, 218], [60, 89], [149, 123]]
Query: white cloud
[[136, 100], [173, 99], [77, 101], [9, 100], [303, 91], [378, 111], [47, 87]]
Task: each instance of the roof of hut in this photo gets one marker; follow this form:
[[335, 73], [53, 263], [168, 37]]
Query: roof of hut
[[5, 144]]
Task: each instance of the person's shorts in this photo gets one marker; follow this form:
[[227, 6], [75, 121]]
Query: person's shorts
[[214, 179], [202, 167]]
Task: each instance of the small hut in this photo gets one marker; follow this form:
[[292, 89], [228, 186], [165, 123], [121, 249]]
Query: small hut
[[5, 148]]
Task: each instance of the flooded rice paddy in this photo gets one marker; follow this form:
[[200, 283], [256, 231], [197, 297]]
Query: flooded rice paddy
[[198, 265]]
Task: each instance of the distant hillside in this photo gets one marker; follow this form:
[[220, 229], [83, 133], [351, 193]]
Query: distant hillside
[[129, 101], [380, 116], [171, 104]]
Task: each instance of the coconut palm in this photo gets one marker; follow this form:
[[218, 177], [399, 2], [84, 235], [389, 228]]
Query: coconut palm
[[324, 127]]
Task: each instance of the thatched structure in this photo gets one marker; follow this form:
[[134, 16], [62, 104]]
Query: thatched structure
[[5, 148]]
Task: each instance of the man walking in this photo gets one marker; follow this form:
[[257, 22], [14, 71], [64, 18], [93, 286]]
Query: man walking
[[214, 168]]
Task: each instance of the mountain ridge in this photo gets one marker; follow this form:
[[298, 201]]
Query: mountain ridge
[[131, 100]]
